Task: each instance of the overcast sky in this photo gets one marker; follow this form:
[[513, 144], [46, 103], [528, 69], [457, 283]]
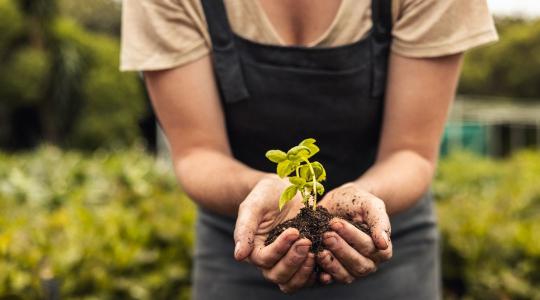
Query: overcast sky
[[529, 8]]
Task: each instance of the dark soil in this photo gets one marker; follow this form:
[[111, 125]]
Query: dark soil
[[311, 224]]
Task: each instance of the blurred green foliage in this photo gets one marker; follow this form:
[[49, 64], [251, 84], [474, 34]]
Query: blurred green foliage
[[508, 68], [106, 226], [489, 215], [96, 15], [65, 78], [115, 226]]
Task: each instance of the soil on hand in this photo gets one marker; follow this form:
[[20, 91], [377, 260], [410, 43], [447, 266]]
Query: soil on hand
[[311, 224]]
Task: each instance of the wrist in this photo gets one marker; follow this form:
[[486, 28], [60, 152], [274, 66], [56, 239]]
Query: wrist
[[364, 185]]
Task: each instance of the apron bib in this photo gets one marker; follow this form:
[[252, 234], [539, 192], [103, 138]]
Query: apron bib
[[274, 97]]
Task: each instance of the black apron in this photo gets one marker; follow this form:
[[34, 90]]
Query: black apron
[[274, 97]]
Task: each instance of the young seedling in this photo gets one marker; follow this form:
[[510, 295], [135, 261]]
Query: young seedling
[[306, 176]]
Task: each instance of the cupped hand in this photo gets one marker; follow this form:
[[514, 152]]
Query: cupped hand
[[351, 253], [286, 261]]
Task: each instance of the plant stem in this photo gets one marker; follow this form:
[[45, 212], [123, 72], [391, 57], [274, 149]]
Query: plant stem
[[304, 200], [314, 184]]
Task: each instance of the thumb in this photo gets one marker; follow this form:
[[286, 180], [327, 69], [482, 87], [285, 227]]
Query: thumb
[[378, 221], [247, 224]]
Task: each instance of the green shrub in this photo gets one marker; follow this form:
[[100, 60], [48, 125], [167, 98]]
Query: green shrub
[[114, 225], [489, 215], [106, 226], [25, 77], [111, 102], [67, 79], [510, 67], [11, 23]]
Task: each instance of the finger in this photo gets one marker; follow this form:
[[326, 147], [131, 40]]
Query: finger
[[289, 264], [356, 264], [312, 279], [247, 223], [355, 237], [301, 277], [333, 267], [267, 256], [376, 217], [325, 278], [382, 255]]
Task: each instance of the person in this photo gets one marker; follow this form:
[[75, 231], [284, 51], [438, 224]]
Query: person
[[371, 81]]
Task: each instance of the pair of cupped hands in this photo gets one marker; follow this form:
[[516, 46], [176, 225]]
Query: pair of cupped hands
[[287, 262]]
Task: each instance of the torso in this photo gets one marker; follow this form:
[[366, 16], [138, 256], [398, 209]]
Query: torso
[[300, 22]]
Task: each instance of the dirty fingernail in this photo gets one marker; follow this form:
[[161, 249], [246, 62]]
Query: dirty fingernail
[[330, 241], [302, 250], [337, 226]]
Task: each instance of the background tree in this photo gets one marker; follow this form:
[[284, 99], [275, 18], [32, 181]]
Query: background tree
[[60, 82], [509, 68]]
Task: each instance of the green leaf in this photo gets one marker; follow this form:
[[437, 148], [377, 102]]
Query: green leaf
[[298, 181], [307, 142], [287, 196], [320, 188], [313, 149], [320, 172], [296, 153], [305, 172], [310, 143], [285, 168], [318, 185], [276, 156]]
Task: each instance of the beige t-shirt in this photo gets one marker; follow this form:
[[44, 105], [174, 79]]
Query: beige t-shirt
[[162, 34]]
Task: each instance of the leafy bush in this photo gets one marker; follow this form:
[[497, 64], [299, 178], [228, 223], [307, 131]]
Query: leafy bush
[[489, 215], [510, 67], [105, 226], [25, 77], [115, 226], [60, 82], [11, 23], [111, 103]]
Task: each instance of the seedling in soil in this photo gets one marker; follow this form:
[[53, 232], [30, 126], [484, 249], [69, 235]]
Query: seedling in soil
[[306, 175]]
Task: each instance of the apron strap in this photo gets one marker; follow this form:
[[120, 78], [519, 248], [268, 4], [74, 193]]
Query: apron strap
[[381, 15], [226, 60]]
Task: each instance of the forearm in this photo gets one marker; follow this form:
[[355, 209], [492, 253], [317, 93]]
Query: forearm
[[399, 179], [214, 180], [418, 97]]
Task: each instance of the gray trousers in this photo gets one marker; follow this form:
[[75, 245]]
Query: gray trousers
[[412, 273]]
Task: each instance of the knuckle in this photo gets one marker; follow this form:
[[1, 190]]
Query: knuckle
[[307, 268], [362, 269], [293, 261], [263, 261], [332, 268], [337, 245], [280, 249], [272, 277]]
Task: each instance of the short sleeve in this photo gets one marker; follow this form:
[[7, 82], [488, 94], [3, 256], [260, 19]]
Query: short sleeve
[[161, 34], [431, 28]]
